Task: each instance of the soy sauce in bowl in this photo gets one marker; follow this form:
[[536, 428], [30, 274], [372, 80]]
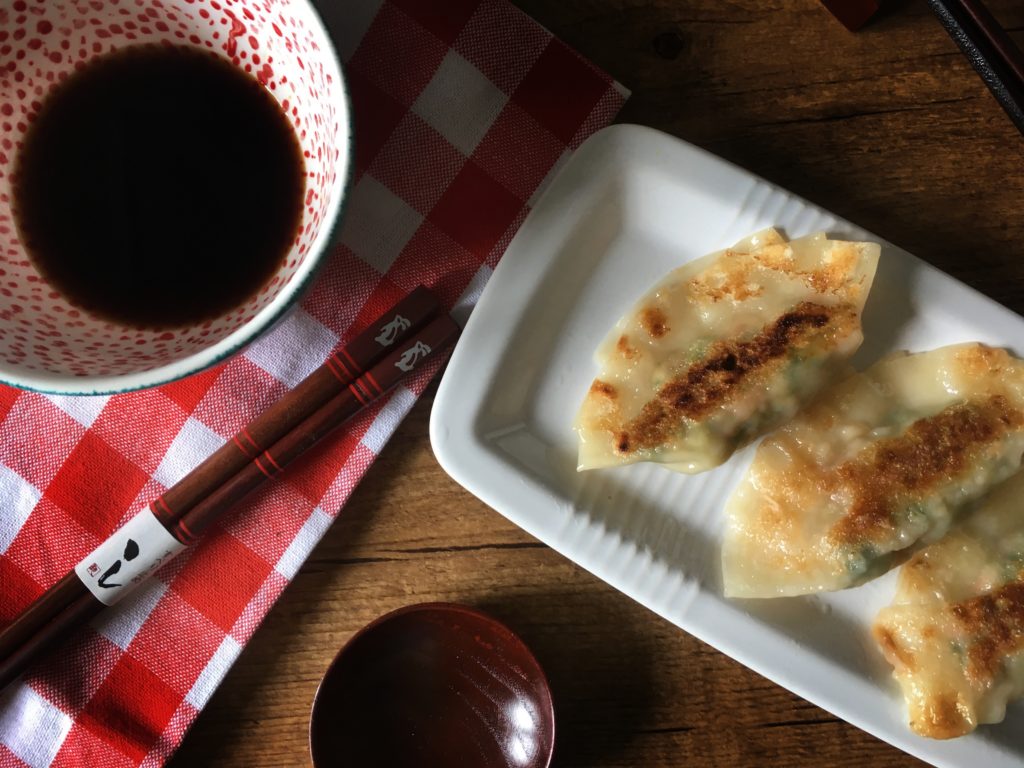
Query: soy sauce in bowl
[[159, 186]]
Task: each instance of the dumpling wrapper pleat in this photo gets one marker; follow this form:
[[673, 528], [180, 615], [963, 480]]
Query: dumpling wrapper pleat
[[724, 349], [879, 464]]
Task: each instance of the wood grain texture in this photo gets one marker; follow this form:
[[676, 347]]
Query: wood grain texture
[[890, 128]]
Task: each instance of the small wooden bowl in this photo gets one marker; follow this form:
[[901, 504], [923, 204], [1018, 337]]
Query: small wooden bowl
[[436, 685]]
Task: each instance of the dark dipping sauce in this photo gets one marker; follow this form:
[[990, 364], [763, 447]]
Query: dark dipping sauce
[[159, 186]]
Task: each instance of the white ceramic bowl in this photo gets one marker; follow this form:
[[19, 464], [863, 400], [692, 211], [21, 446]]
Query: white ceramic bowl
[[49, 345]]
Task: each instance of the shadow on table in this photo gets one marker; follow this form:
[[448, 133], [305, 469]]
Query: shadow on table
[[1009, 734]]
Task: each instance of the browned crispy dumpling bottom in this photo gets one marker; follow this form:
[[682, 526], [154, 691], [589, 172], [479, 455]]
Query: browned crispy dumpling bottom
[[723, 350]]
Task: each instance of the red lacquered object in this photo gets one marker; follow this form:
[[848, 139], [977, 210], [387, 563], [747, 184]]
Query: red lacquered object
[[436, 685], [853, 14]]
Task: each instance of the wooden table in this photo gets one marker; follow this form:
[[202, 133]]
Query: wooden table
[[889, 128]]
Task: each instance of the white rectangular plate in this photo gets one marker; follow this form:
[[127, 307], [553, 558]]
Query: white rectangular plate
[[629, 206]]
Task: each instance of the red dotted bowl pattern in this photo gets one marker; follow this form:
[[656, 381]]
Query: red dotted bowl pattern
[[41, 43]]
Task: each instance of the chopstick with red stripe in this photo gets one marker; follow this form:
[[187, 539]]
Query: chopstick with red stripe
[[338, 372], [363, 392], [69, 601], [426, 344]]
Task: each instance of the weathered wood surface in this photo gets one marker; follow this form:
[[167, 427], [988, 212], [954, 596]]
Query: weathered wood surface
[[890, 128]]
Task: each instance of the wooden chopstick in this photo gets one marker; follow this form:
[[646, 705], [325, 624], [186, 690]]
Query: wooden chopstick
[[322, 384], [990, 50], [391, 328], [295, 425], [335, 375], [435, 337]]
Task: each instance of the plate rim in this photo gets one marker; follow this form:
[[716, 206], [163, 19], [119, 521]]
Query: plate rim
[[456, 411]]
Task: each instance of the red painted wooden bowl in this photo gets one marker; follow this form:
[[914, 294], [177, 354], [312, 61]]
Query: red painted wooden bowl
[[433, 685]]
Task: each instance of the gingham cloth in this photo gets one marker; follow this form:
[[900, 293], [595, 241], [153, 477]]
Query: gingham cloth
[[463, 110]]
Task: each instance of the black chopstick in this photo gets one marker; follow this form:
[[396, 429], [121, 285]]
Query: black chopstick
[[990, 50]]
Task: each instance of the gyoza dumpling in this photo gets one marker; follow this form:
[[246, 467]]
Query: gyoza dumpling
[[723, 350], [883, 461], [955, 631]]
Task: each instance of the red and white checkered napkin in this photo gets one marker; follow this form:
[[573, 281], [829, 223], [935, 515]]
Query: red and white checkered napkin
[[463, 109]]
